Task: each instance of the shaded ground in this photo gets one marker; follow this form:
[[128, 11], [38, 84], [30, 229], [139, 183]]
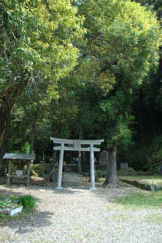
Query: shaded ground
[[77, 215], [152, 183]]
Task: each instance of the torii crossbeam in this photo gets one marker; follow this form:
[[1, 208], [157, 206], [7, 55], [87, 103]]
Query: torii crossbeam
[[76, 145]]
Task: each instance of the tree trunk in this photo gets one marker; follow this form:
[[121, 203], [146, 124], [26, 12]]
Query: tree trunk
[[4, 121], [7, 101], [33, 136], [111, 175]]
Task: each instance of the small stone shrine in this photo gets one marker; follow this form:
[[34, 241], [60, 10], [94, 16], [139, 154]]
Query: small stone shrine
[[19, 167], [103, 158]]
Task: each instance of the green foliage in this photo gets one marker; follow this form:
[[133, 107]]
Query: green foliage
[[36, 39], [124, 37], [7, 203], [156, 149], [13, 201], [100, 174], [153, 5], [38, 45], [28, 202], [148, 156], [80, 86], [122, 47], [154, 168], [127, 172]]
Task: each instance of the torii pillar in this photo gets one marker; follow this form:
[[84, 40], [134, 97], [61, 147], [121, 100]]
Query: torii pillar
[[76, 145]]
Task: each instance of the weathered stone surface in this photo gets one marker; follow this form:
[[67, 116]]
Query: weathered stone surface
[[103, 158]]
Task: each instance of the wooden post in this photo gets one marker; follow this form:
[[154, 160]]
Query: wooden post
[[9, 173], [79, 162], [61, 159], [92, 168], [28, 173]]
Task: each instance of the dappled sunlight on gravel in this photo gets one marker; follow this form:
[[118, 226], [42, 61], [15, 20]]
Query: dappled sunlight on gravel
[[77, 215]]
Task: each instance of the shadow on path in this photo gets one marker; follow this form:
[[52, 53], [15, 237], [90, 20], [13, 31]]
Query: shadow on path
[[30, 223], [24, 223], [7, 191], [71, 190]]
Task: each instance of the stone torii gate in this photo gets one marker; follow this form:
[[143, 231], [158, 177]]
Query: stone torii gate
[[76, 145]]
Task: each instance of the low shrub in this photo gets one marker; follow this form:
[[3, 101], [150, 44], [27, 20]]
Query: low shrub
[[7, 203], [100, 174], [28, 202], [154, 168], [127, 172]]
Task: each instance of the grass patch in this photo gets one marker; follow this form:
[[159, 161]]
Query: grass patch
[[119, 217], [154, 218], [4, 219], [141, 200], [28, 202]]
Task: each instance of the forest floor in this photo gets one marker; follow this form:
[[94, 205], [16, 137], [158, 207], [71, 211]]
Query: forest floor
[[152, 180], [78, 215]]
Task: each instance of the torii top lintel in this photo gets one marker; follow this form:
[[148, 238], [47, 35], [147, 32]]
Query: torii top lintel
[[76, 144]]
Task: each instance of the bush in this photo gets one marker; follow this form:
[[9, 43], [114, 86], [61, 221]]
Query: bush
[[41, 170], [127, 172], [154, 168], [28, 202], [155, 160], [100, 173]]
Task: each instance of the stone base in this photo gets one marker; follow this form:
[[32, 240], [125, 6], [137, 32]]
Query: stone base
[[59, 188], [92, 188]]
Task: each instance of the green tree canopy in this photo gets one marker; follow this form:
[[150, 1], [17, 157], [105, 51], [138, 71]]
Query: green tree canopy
[[123, 40], [37, 41]]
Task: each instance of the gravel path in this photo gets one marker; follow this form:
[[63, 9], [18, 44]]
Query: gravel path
[[82, 216]]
